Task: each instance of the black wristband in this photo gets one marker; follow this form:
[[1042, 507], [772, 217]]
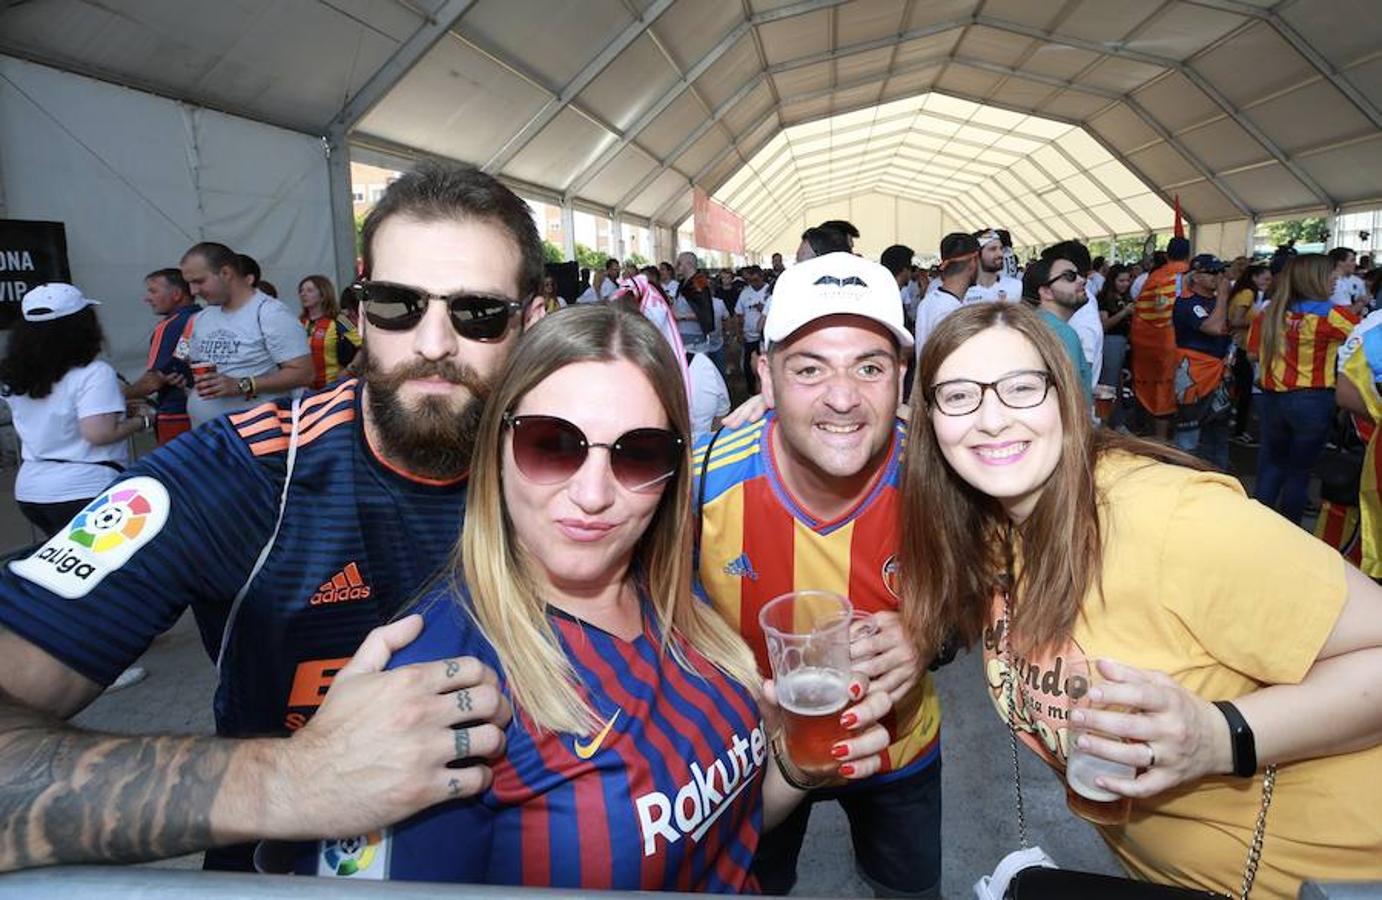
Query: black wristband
[[1244, 744]]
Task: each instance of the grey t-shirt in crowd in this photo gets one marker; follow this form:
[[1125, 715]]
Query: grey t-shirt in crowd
[[253, 340]]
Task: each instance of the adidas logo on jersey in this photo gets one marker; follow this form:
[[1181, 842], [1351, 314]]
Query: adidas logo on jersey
[[345, 586], [702, 799], [741, 566]]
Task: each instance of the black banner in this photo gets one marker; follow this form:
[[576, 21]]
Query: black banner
[[31, 253]]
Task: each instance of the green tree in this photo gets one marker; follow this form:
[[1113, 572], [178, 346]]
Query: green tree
[[553, 253], [590, 259], [1311, 230], [638, 259], [359, 230]]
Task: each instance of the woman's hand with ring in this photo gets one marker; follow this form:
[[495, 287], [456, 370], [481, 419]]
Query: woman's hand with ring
[[1155, 725]]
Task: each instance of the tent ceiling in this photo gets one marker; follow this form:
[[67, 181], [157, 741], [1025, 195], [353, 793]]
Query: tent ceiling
[[1242, 107]]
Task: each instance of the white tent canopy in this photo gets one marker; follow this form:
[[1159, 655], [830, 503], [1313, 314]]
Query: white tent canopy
[[1244, 108]]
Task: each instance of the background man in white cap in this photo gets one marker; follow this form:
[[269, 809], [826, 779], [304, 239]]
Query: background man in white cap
[[807, 498]]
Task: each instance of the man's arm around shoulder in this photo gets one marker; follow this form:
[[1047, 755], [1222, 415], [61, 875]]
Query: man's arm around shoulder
[[74, 796]]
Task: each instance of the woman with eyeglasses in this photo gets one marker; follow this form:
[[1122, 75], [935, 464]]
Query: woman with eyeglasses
[[636, 757], [1219, 639]]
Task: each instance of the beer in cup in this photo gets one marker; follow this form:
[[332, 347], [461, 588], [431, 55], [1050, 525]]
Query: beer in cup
[[200, 369], [808, 635], [1085, 798]]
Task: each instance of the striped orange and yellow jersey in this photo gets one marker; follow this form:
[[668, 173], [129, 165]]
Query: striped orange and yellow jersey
[[1308, 357], [757, 542], [1157, 299], [1361, 363], [333, 343]]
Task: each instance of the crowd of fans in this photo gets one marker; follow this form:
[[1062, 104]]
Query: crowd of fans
[[482, 569]]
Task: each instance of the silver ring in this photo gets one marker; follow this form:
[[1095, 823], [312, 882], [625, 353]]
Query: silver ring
[[1151, 756]]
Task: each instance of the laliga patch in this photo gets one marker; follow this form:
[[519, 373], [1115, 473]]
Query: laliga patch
[[101, 538], [363, 858]]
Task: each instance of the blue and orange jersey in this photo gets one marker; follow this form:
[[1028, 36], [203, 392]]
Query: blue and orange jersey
[[1308, 356], [666, 796], [185, 526], [333, 343], [171, 331], [757, 542]]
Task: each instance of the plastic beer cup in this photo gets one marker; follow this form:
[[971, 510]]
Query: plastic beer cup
[[808, 635], [1082, 795], [200, 369]]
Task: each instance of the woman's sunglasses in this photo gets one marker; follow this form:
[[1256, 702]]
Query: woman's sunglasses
[[399, 307], [549, 450]]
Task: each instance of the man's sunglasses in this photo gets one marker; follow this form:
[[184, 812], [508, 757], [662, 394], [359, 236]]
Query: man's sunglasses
[[549, 450], [1069, 275], [399, 307]]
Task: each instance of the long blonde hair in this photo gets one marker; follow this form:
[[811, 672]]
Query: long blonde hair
[[955, 540], [504, 599], [1305, 277]]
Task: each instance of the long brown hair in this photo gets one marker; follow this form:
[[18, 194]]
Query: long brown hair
[[1305, 277], [957, 543], [330, 306], [498, 573]]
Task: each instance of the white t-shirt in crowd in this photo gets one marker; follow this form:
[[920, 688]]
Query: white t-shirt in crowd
[[588, 296], [58, 463], [1005, 288], [934, 307], [1349, 290], [608, 287], [1093, 284], [251, 341], [1137, 284], [753, 306], [670, 288], [910, 295], [1090, 329], [716, 339], [709, 395]]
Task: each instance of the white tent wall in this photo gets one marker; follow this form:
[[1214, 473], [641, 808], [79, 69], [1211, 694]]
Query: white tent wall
[[882, 220], [139, 178]]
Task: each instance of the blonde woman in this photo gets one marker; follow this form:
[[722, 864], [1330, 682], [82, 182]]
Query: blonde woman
[[1228, 640], [636, 758]]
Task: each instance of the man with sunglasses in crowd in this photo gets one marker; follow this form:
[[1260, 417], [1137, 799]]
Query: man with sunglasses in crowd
[[292, 530], [806, 498], [1055, 288]]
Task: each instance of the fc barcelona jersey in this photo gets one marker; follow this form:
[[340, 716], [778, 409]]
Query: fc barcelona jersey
[[757, 542], [666, 795]]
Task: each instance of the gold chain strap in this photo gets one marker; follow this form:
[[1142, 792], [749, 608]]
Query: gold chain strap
[[1259, 833]]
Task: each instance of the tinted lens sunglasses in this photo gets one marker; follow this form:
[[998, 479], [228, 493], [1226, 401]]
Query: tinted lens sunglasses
[[549, 450], [399, 307]]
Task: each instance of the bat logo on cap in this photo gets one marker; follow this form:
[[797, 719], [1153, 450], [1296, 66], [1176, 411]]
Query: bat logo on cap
[[842, 282]]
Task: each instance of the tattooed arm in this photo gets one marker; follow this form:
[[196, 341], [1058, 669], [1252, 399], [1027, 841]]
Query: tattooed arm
[[72, 796]]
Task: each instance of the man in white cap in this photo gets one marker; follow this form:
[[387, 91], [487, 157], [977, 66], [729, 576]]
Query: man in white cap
[[992, 282], [806, 498]]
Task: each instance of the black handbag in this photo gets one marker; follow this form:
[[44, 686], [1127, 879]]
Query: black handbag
[[1043, 882]]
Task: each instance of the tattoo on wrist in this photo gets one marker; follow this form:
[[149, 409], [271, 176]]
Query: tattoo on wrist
[[71, 796]]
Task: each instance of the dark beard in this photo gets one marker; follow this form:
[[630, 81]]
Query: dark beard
[[434, 440]]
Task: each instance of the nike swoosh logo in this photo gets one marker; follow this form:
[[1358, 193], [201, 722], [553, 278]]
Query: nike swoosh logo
[[590, 747]]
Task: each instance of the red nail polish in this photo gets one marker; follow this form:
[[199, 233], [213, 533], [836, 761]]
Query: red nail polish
[[856, 690], [839, 751], [849, 720], [847, 770]]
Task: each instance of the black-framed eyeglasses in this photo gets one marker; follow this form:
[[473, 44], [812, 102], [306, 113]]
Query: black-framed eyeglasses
[[399, 307], [1069, 275], [549, 450], [1017, 390]]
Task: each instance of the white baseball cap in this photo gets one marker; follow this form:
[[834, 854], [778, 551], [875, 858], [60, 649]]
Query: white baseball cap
[[53, 301], [832, 285]]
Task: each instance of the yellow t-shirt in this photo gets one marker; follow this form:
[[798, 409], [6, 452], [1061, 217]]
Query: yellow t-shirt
[[1225, 596], [1242, 300]]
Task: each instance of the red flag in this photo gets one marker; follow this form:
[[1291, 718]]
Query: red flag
[[1180, 223]]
